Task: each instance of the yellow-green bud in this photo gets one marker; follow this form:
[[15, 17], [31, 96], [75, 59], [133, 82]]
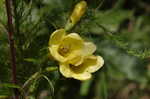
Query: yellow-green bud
[[76, 15], [78, 12]]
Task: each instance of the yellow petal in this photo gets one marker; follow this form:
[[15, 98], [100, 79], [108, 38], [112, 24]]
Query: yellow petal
[[66, 71], [82, 76], [74, 36], [79, 72], [77, 60], [94, 63], [54, 52], [89, 48], [56, 37], [75, 45], [75, 41]]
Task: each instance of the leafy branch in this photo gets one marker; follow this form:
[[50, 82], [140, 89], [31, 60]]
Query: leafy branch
[[144, 53]]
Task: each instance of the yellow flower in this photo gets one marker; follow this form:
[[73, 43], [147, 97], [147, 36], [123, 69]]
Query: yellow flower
[[88, 49], [74, 55], [83, 71], [69, 48], [65, 47]]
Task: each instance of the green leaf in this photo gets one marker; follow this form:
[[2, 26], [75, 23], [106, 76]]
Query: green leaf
[[49, 69], [33, 83], [112, 19], [8, 85], [85, 87], [50, 84], [32, 60], [3, 97]]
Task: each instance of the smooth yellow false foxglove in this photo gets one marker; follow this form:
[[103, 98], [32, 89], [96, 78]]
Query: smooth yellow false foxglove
[[83, 71], [65, 47], [75, 56]]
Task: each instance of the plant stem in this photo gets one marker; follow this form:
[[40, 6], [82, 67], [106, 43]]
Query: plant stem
[[37, 74], [11, 43], [32, 78]]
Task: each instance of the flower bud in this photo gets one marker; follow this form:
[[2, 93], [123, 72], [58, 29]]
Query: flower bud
[[78, 12], [76, 15]]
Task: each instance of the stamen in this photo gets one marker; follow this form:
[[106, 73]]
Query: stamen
[[63, 50]]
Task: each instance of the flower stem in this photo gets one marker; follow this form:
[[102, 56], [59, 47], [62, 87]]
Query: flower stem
[[11, 43]]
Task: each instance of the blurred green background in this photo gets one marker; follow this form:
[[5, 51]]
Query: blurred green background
[[119, 28]]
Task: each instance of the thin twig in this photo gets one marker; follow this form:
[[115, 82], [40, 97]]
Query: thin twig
[[32, 78], [99, 5], [38, 74], [11, 42]]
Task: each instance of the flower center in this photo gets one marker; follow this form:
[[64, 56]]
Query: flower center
[[77, 69], [64, 49]]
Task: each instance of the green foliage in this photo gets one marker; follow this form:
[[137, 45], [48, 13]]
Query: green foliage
[[120, 31]]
